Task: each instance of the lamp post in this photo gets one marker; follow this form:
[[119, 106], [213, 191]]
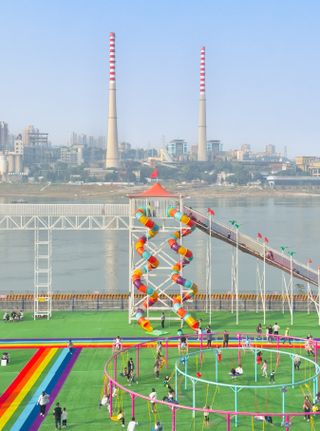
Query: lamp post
[[284, 284], [235, 277], [263, 281], [309, 292], [318, 294], [291, 254], [211, 213]]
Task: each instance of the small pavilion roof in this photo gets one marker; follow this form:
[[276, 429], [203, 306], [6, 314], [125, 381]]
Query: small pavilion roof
[[155, 191]]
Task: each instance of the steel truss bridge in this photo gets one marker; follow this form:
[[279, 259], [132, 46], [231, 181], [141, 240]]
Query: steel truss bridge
[[44, 219]]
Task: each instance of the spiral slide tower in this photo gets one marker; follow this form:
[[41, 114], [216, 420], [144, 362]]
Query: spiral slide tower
[[152, 263], [187, 257]]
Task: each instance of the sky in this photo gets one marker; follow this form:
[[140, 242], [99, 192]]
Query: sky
[[262, 70]]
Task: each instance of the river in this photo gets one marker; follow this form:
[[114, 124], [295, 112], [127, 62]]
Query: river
[[98, 262]]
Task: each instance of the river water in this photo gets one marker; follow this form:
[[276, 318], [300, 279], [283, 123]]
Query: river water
[[98, 261]]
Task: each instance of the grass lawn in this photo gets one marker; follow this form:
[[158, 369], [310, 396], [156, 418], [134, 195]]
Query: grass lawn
[[83, 388]]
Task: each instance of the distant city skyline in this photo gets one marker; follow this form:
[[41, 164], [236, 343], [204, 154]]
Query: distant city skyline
[[262, 85]]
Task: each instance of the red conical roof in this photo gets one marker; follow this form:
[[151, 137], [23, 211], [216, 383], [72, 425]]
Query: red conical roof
[[155, 191]]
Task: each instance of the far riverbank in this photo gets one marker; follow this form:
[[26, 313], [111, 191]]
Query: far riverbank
[[106, 190]]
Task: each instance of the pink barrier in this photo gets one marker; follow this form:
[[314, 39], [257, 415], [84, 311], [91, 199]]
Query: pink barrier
[[226, 413]]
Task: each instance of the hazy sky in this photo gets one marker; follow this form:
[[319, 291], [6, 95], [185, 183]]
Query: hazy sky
[[262, 69]]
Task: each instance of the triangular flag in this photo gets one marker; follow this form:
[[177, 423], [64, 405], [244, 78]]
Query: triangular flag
[[211, 212], [259, 235], [266, 240]]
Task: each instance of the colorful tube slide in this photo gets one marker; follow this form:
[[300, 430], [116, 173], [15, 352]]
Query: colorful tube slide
[[151, 263], [187, 257]]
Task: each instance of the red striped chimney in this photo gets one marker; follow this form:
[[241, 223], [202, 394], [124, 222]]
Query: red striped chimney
[[112, 57], [202, 70]]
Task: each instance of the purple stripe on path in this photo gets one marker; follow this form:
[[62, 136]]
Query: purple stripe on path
[[53, 395]]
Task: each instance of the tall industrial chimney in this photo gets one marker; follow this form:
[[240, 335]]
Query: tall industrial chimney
[[112, 159], [202, 128]]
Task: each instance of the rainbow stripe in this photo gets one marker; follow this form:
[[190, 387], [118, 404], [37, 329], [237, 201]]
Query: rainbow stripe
[[94, 343], [22, 384], [30, 419]]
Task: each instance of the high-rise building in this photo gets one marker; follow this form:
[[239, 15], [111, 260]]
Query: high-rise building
[[25, 134], [270, 150], [73, 155], [177, 149], [4, 135], [18, 145], [112, 157], [214, 147], [35, 147]]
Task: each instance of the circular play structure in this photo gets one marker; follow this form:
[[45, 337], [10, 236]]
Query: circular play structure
[[201, 382]]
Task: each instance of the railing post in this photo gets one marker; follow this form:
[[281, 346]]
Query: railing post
[[193, 398], [185, 373], [173, 419], [287, 423], [176, 382], [255, 365], [115, 367], [110, 396], [201, 347], [137, 360], [132, 405], [167, 352], [292, 371], [228, 420]]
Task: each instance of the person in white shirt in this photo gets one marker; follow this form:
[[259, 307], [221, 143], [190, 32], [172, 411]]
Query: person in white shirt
[[43, 401], [117, 343], [64, 417], [276, 328], [153, 397], [132, 424]]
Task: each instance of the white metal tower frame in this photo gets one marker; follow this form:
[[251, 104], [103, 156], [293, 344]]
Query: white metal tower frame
[[159, 278], [42, 273]]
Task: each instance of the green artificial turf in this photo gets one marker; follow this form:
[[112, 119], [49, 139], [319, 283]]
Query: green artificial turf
[[84, 386]]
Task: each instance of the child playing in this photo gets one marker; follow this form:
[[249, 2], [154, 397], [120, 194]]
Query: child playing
[[156, 367], [64, 417], [124, 372], [117, 343], [272, 376], [131, 377], [120, 418], [264, 369], [166, 383], [206, 416], [259, 358]]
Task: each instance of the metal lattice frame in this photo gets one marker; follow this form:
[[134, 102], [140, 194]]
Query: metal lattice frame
[[42, 273], [159, 279]]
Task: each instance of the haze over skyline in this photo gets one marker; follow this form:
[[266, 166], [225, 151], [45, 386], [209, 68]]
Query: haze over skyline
[[262, 70]]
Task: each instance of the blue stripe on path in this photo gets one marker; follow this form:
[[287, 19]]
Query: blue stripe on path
[[30, 415]]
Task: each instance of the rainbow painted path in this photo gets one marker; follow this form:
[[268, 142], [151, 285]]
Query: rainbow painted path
[[52, 362]]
